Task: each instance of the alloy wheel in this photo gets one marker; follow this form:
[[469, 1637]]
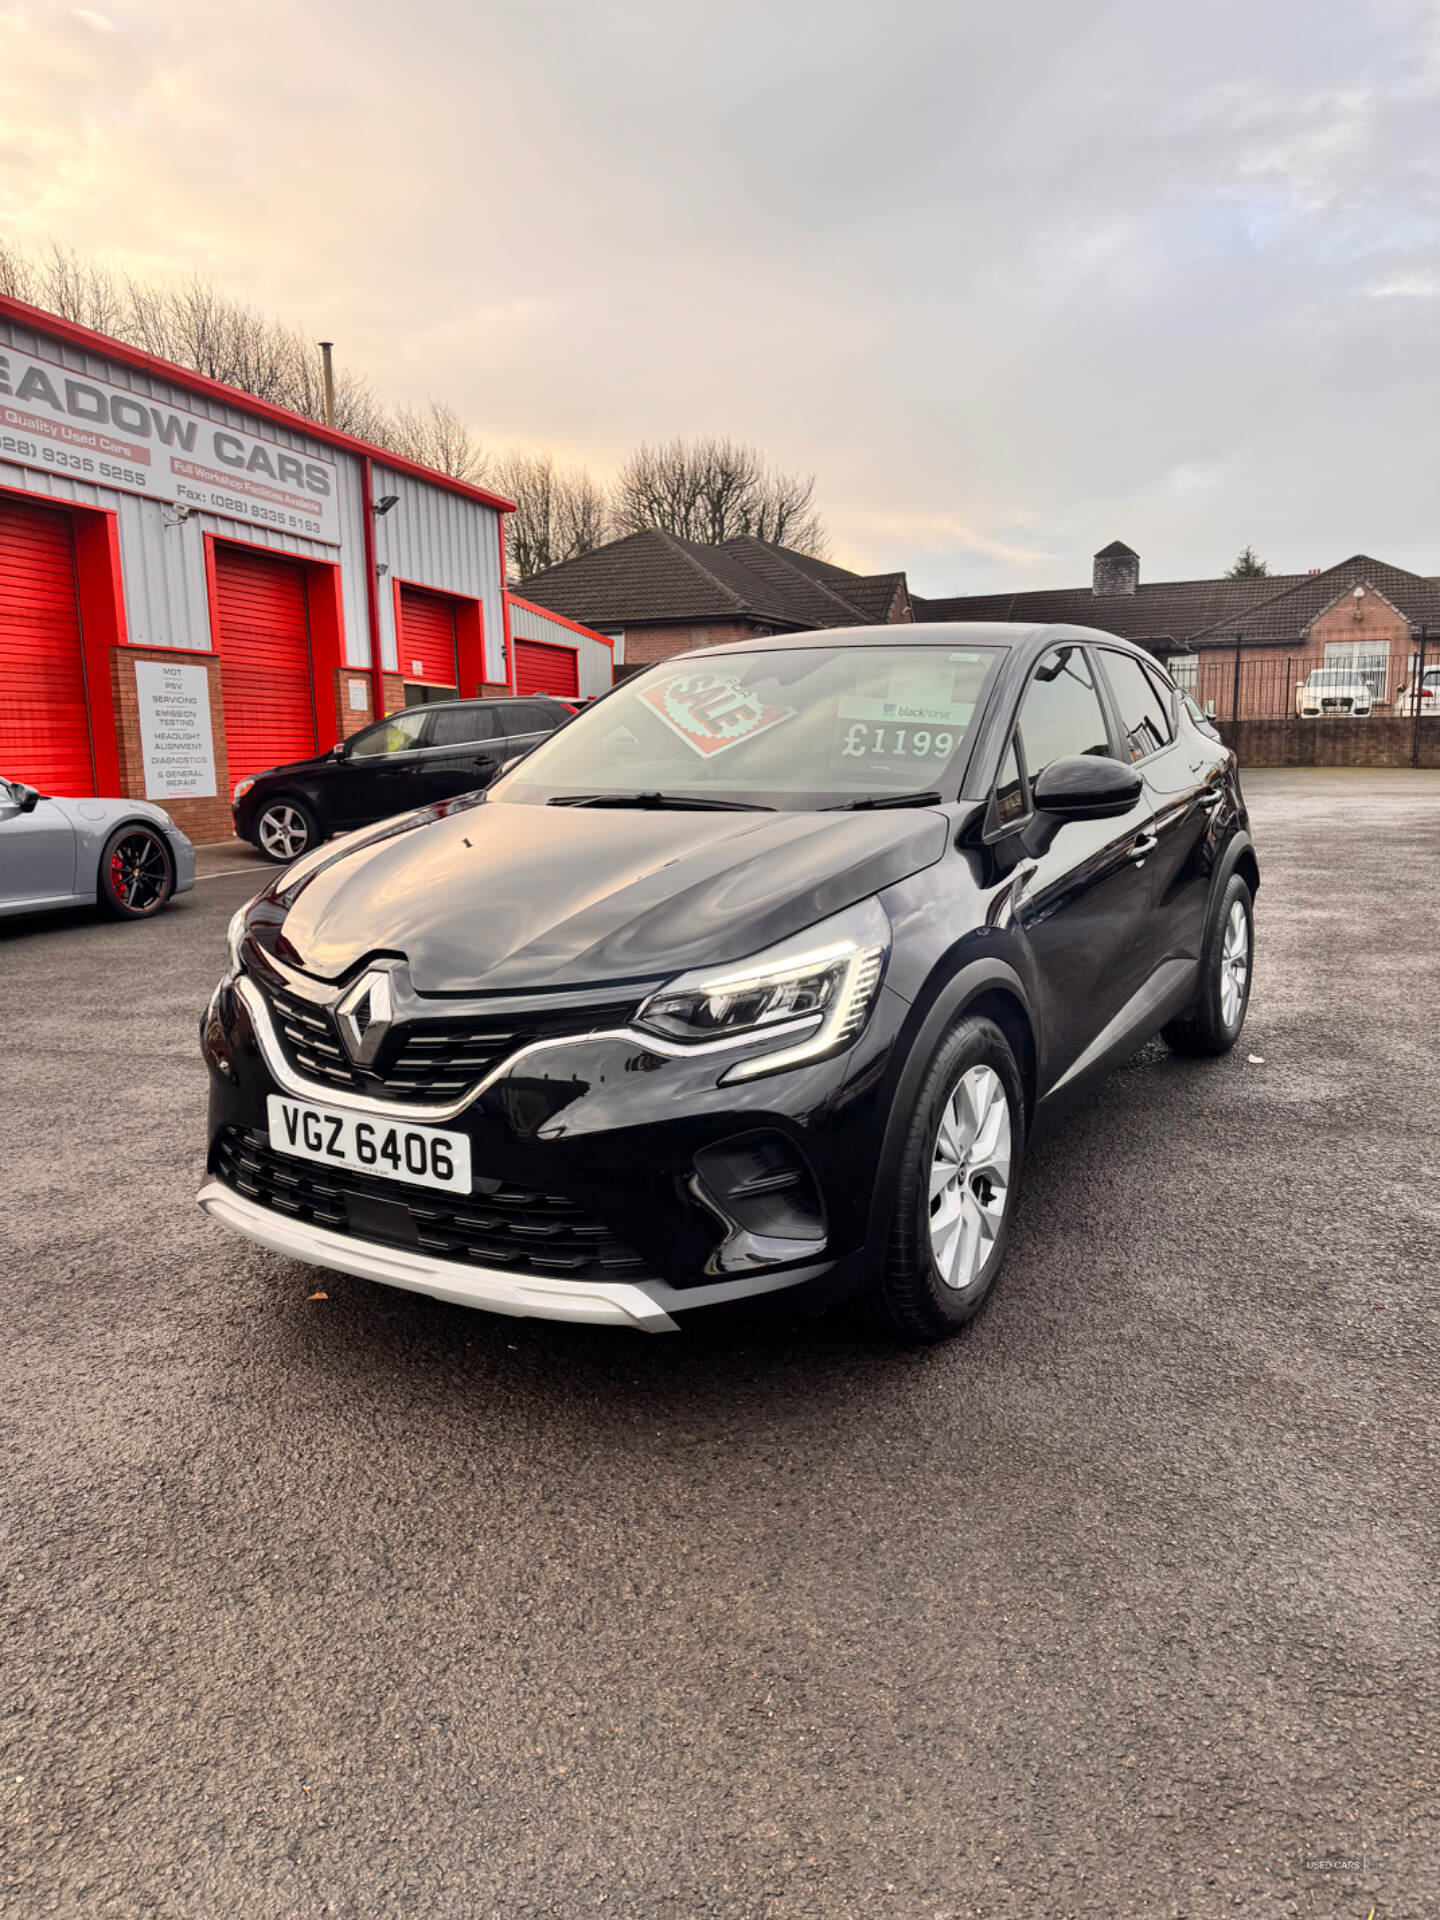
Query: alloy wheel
[[1234, 964], [283, 833], [970, 1176], [139, 872]]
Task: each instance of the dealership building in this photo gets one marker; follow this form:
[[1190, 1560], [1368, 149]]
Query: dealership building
[[196, 585]]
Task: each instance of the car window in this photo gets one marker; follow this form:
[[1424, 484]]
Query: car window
[[799, 726], [1142, 716], [461, 726], [1011, 800], [1166, 689], [529, 716], [1061, 712], [394, 735]]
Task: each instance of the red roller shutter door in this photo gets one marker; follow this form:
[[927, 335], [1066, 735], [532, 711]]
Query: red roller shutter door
[[541, 668], [44, 719], [427, 638], [264, 643]]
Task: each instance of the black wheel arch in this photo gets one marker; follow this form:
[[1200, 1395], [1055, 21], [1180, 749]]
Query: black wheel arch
[[1238, 857], [988, 988]]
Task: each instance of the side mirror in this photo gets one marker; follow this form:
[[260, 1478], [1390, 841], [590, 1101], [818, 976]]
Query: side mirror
[[29, 797], [1082, 786]]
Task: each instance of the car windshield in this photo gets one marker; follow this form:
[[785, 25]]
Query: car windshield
[[789, 727], [1333, 677]]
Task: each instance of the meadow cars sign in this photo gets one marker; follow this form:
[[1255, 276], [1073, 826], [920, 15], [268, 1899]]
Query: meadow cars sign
[[88, 429]]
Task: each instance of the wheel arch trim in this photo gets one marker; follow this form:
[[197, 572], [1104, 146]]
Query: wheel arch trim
[[986, 985]]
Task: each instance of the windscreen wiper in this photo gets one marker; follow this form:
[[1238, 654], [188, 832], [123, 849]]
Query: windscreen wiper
[[680, 802], [889, 800]]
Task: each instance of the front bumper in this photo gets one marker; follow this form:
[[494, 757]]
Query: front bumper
[[649, 1305], [602, 1130]]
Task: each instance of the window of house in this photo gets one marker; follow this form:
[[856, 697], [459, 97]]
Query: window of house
[[1142, 715], [1367, 660], [1184, 670], [1061, 713]]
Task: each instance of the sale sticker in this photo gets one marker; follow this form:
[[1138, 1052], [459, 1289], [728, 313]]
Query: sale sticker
[[712, 711]]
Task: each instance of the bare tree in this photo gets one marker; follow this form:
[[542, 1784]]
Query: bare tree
[[194, 323], [559, 512], [436, 436], [711, 491]]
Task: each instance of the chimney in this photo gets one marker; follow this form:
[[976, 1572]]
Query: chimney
[[1117, 570]]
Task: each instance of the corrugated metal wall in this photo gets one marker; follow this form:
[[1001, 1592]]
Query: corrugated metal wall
[[433, 538], [533, 623]]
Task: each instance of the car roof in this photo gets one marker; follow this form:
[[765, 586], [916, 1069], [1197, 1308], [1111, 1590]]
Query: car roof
[[488, 700], [1013, 635]]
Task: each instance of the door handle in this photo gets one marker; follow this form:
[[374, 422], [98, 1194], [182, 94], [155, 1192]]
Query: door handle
[[1144, 846]]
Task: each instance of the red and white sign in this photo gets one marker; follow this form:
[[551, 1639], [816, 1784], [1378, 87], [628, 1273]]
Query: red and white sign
[[88, 429], [712, 711]]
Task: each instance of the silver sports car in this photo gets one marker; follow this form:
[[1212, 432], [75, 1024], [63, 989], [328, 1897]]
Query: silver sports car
[[126, 854]]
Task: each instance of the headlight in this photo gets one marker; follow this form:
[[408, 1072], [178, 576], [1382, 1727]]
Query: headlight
[[242, 787], [235, 935], [815, 992]]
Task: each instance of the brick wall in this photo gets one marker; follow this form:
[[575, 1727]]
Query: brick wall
[[1371, 619], [394, 691], [204, 820], [494, 690], [349, 718], [645, 645], [1379, 741]]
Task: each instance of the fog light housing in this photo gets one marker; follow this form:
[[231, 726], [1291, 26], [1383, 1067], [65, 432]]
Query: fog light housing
[[760, 1187]]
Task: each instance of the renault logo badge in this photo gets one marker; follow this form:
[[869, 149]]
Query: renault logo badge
[[364, 1016]]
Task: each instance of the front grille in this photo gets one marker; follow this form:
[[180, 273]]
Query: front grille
[[498, 1225], [425, 1061]]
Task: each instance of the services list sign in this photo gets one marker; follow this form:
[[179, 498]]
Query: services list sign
[[175, 737], [65, 423]]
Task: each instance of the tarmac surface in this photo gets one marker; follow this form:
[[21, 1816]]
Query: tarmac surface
[[1124, 1604]]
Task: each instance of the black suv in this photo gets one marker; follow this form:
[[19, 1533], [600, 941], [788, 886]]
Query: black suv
[[751, 985], [409, 759]]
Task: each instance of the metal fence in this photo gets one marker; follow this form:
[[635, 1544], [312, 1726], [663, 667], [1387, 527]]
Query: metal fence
[[1302, 708]]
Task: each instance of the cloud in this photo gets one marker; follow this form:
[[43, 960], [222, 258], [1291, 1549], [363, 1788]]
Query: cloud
[[1011, 282]]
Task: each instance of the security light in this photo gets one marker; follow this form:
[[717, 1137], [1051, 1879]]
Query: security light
[[384, 503]]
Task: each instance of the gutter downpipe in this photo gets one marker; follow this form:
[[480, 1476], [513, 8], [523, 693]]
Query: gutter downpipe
[[505, 606], [372, 587]]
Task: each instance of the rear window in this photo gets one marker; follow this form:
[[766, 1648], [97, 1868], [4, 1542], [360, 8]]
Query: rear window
[[530, 716], [460, 726]]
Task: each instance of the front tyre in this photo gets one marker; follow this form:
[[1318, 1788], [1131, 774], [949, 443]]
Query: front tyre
[[137, 873], [1213, 1024], [284, 829], [959, 1169]]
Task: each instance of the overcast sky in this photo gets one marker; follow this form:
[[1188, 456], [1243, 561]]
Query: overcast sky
[[1014, 280]]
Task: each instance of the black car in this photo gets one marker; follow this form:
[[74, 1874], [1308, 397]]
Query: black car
[[411, 758], [752, 985]]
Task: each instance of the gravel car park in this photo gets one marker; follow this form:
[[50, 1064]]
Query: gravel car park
[[320, 1597]]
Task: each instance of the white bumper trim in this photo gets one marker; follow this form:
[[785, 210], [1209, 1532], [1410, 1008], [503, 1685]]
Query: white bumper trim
[[612, 1303]]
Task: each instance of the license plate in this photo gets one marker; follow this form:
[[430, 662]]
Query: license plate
[[363, 1143]]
